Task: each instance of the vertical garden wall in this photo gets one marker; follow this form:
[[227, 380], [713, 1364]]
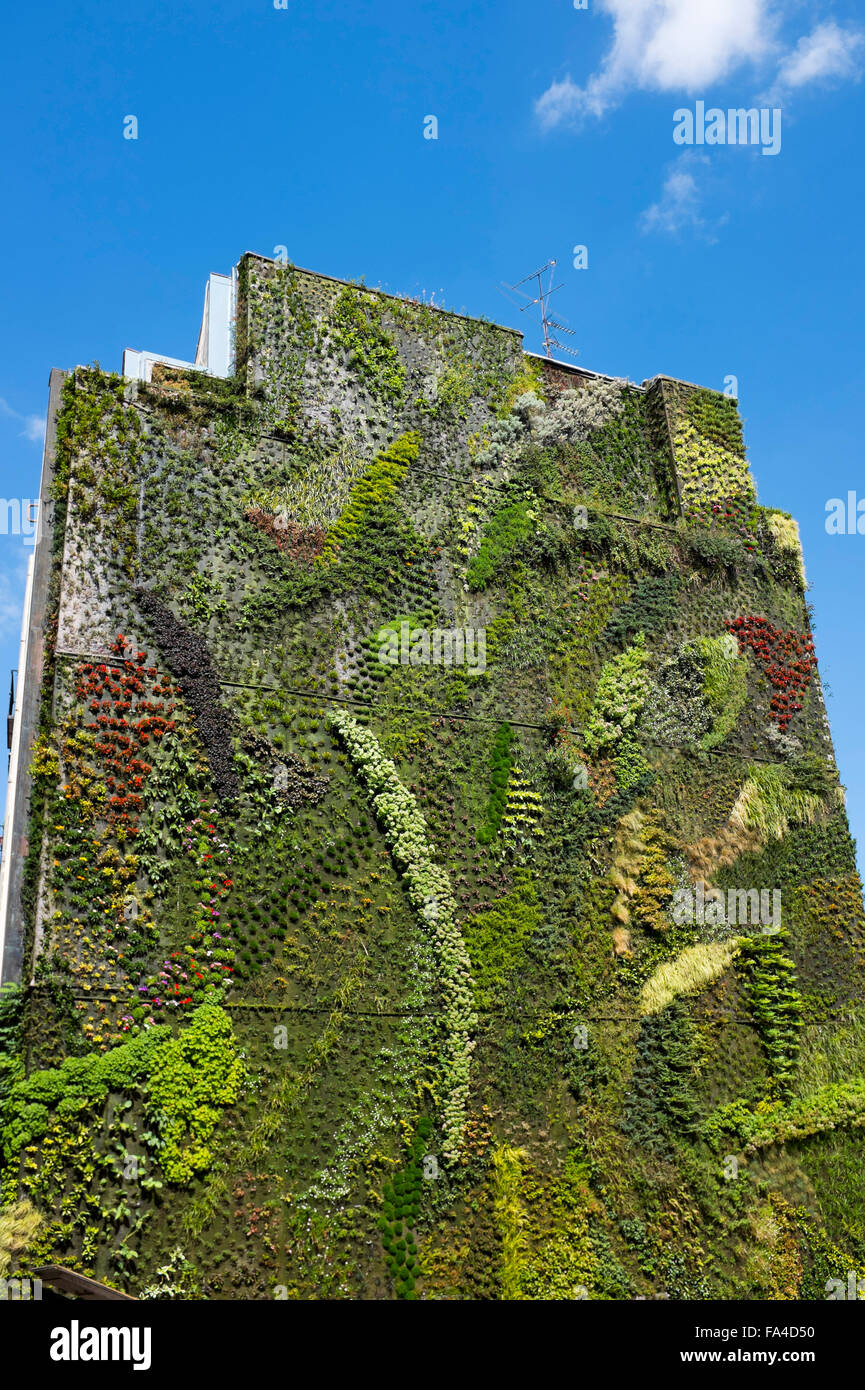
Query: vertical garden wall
[[438, 882]]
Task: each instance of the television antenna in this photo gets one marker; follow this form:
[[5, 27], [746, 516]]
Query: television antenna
[[549, 325]]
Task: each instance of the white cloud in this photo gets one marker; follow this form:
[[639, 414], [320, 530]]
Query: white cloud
[[13, 582], [685, 46], [829, 52], [34, 428], [34, 425], [560, 101], [665, 46], [677, 207], [680, 206]]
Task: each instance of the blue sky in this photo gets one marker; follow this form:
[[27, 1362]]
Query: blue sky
[[303, 126]]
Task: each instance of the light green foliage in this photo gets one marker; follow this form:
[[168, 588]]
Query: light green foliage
[[777, 1122], [378, 484], [99, 448], [319, 489], [176, 1279], [826, 1057], [200, 599], [496, 939], [528, 378], [511, 1217], [193, 1078], [79, 1083], [710, 454], [19, 1223], [640, 873], [717, 419], [11, 1063], [500, 771], [725, 684], [776, 1004], [690, 972], [619, 698], [785, 530], [707, 472], [454, 388], [543, 1224], [769, 802], [523, 813], [631, 765]]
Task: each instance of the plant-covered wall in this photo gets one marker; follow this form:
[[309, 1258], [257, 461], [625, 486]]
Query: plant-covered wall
[[439, 883]]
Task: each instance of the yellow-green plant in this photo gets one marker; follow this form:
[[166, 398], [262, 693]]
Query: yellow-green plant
[[725, 684], [194, 1076], [785, 530], [317, 493], [690, 972], [378, 484], [19, 1223], [767, 804], [643, 881], [511, 1218], [430, 893], [619, 698]]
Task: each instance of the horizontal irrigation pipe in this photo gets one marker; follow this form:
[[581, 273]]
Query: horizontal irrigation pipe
[[528, 1014], [330, 699], [743, 754], [388, 709]]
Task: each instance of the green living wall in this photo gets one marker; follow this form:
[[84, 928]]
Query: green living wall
[[418, 720]]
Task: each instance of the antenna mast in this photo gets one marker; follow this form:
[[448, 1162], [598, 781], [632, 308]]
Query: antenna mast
[[542, 298]]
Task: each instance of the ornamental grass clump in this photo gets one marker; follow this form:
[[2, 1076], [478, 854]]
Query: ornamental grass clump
[[690, 972], [768, 803]]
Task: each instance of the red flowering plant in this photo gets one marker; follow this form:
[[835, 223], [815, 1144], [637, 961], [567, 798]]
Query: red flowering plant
[[112, 693], [105, 783], [736, 514], [787, 658]]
